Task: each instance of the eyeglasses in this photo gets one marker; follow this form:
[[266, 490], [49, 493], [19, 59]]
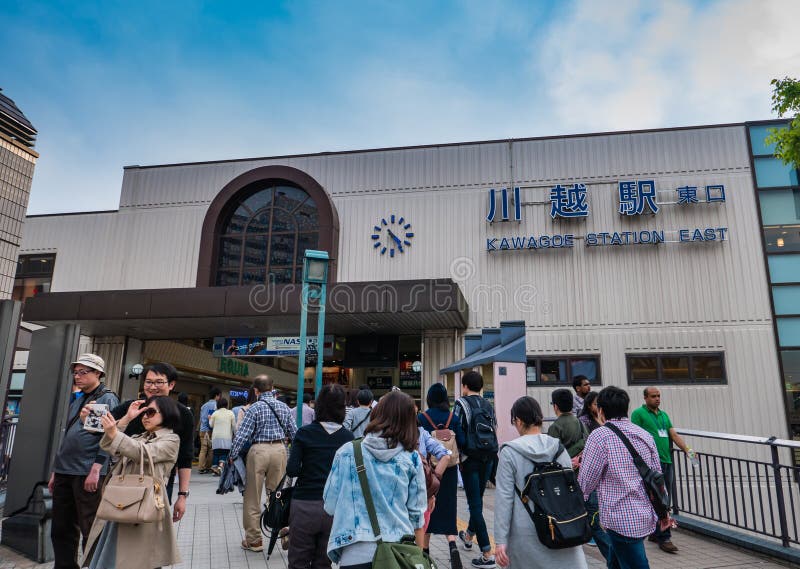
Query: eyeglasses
[[155, 383], [149, 412], [82, 372]]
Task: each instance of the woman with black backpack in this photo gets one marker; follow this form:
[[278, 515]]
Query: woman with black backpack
[[517, 541]]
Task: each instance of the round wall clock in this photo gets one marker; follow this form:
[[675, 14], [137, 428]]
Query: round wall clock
[[392, 234]]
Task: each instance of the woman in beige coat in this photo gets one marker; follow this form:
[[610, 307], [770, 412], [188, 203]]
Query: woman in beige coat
[[147, 545]]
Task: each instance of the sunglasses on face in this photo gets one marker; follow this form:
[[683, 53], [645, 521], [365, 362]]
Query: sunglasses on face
[[150, 412], [81, 372]]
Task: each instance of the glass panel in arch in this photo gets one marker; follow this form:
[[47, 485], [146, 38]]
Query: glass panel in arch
[[306, 217], [237, 222], [280, 275], [260, 222], [282, 220], [282, 249], [289, 197], [253, 275], [230, 252], [255, 251], [259, 200], [228, 278], [305, 241]]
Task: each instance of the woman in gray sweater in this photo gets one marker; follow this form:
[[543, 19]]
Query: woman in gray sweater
[[518, 546]]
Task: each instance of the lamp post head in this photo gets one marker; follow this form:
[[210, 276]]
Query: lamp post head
[[315, 266]]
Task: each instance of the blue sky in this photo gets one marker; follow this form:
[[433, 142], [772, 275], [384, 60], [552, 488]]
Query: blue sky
[[109, 84]]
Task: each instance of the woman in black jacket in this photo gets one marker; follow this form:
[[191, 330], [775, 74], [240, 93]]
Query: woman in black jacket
[[310, 460]]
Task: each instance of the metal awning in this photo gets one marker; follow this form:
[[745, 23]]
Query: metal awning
[[504, 344], [394, 307]]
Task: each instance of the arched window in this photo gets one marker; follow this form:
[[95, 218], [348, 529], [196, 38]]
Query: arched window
[[264, 233]]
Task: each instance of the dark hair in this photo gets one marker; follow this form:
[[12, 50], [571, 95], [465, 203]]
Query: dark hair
[[163, 368], [614, 402], [238, 401], [330, 404], [364, 397], [170, 413], [587, 402], [473, 381], [222, 403], [562, 399], [307, 398], [578, 380], [213, 392], [251, 396], [263, 383], [437, 397], [183, 398], [527, 410], [395, 420]]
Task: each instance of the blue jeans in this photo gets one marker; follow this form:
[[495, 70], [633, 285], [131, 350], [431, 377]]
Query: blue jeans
[[475, 474], [626, 552], [669, 473], [598, 533]]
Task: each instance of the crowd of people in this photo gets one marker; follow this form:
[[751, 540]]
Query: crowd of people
[[377, 471]]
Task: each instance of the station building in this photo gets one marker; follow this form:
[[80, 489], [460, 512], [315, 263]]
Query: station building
[[661, 257]]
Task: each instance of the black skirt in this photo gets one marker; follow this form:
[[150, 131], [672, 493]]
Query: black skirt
[[443, 517]]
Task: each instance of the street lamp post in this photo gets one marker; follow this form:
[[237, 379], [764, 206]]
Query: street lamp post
[[315, 272]]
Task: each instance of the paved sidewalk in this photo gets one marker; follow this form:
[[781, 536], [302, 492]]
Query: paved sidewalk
[[210, 534]]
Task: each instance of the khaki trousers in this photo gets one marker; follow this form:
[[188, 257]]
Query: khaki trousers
[[266, 465], [204, 460]]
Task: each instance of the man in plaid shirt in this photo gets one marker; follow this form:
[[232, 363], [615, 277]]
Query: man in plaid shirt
[[607, 466], [267, 425]]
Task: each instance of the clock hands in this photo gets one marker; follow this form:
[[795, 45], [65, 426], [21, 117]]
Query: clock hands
[[396, 238]]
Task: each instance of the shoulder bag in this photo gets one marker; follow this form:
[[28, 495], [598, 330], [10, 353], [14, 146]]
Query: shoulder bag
[[403, 555], [655, 484], [130, 498]]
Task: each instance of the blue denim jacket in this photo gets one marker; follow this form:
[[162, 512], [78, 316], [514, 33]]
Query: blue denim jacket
[[397, 483]]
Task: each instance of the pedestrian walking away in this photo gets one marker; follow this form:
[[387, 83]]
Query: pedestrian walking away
[[206, 450], [307, 410], [479, 456], [517, 543], [267, 426], [607, 466], [122, 545], [396, 482], [222, 423], [310, 461], [358, 417], [438, 417], [652, 419], [79, 465]]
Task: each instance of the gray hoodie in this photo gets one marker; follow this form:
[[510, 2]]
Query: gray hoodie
[[512, 524]]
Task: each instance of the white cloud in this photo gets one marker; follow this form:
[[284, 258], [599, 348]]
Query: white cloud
[[638, 64]]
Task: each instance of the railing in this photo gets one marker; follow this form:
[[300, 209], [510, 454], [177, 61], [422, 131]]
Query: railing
[[8, 427], [759, 496]]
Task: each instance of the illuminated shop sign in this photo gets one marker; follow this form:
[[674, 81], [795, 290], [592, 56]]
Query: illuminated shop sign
[[635, 198], [262, 346]]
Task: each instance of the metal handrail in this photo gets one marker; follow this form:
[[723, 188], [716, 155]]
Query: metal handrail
[[770, 441]]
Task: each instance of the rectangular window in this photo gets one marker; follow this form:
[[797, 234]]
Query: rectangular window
[[676, 369], [791, 376], [562, 369], [757, 135], [788, 332], [34, 275], [786, 300], [784, 268], [782, 239], [780, 207], [772, 173]]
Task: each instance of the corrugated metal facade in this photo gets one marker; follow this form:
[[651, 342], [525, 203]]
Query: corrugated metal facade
[[609, 301]]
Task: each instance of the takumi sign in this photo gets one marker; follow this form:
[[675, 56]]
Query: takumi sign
[[634, 198]]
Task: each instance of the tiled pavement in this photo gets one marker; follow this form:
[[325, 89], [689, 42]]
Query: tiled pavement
[[210, 533]]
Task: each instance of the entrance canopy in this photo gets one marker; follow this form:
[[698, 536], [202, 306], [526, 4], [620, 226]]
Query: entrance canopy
[[395, 307]]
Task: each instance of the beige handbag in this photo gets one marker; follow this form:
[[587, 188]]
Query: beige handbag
[[132, 499]]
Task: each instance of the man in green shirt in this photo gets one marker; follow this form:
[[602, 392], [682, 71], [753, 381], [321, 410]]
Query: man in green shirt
[[656, 422]]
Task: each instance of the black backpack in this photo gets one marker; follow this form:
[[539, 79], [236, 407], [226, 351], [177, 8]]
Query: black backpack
[[480, 439], [559, 513]]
